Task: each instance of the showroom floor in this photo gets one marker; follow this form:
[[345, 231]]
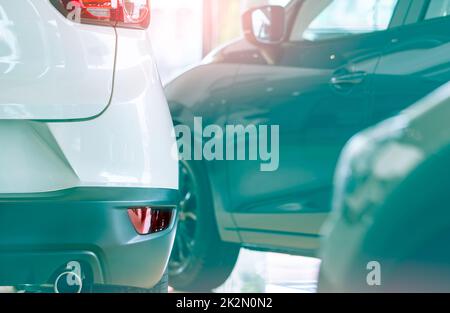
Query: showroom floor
[[272, 272]]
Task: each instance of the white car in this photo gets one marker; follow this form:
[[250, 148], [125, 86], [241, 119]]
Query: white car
[[88, 180]]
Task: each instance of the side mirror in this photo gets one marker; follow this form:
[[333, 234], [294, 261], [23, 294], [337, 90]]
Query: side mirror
[[265, 25]]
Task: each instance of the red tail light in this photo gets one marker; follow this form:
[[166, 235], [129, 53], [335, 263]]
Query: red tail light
[[149, 221], [121, 13]]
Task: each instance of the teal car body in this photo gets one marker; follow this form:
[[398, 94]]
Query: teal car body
[[321, 86], [72, 225], [391, 205]]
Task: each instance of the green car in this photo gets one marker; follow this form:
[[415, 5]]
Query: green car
[[390, 228], [315, 72]]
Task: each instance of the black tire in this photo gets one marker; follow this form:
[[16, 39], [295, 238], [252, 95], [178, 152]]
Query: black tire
[[200, 261]]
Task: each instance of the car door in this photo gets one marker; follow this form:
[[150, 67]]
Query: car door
[[416, 62], [314, 86]]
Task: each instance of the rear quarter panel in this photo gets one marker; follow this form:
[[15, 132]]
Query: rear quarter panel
[[50, 67]]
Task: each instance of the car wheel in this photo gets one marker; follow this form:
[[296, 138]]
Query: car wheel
[[200, 260]]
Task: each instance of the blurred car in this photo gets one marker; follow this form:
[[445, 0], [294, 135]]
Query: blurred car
[[321, 70], [392, 205], [88, 187]]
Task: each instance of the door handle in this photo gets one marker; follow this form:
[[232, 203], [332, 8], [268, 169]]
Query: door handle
[[342, 81]]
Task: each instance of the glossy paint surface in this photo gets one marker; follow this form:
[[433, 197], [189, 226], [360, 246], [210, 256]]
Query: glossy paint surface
[[315, 117], [50, 67], [392, 203], [89, 225], [76, 153], [130, 144], [320, 93]]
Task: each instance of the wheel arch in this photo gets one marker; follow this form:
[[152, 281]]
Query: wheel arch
[[217, 181]]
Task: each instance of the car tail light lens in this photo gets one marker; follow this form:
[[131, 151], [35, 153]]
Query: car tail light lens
[[148, 220], [120, 13]]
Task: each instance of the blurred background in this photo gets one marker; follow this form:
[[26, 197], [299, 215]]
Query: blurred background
[[199, 26]]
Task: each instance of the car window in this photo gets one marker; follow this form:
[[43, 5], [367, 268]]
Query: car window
[[438, 8], [326, 19]]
